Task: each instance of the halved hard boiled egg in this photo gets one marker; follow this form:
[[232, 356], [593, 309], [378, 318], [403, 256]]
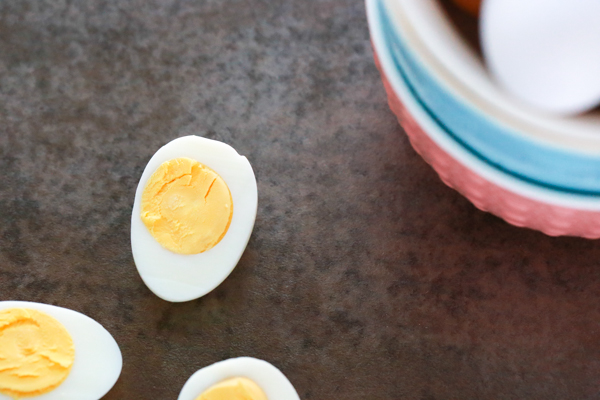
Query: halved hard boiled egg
[[53, 353], [193, 215], [244, 377]]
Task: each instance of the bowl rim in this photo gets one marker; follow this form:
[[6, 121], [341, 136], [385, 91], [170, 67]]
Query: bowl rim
[[430, 34], [511, 151], [453, 148]]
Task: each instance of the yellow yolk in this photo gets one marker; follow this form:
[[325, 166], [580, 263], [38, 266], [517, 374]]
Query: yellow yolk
[[234, 389], [186, 206], [36, 352]]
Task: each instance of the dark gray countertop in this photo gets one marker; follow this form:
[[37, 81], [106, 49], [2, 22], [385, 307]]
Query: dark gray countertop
[[365, 277]]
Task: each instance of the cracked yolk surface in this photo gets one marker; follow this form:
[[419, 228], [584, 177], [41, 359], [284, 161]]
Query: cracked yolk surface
[[186, 206], [234, 389], [36, 352]]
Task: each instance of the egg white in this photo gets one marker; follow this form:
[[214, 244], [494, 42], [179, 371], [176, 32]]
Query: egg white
[[271, 380], [178, 277], [98, 359]]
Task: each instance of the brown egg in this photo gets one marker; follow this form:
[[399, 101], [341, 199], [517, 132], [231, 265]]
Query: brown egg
[[471, 6]]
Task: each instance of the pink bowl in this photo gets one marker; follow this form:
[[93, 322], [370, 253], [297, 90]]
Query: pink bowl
[[514, 208], [519, 202]]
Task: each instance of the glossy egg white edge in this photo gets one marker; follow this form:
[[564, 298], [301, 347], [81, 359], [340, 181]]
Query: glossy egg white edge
[[270, 379], [176, 277], [98, 360]]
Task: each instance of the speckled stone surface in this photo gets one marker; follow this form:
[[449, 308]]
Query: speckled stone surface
[[365, 277]]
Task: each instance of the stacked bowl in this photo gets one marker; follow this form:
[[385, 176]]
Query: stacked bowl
[[532, 169]]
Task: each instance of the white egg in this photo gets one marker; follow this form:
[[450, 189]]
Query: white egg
[[271, 380], [98, 359], [544, 51], [178, 277]]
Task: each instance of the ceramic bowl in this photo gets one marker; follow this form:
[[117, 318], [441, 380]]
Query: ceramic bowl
[[502, 161]]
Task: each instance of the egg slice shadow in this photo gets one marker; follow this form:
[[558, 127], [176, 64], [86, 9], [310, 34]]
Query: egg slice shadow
[[98, 360], [177, 277], [271, 380]]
